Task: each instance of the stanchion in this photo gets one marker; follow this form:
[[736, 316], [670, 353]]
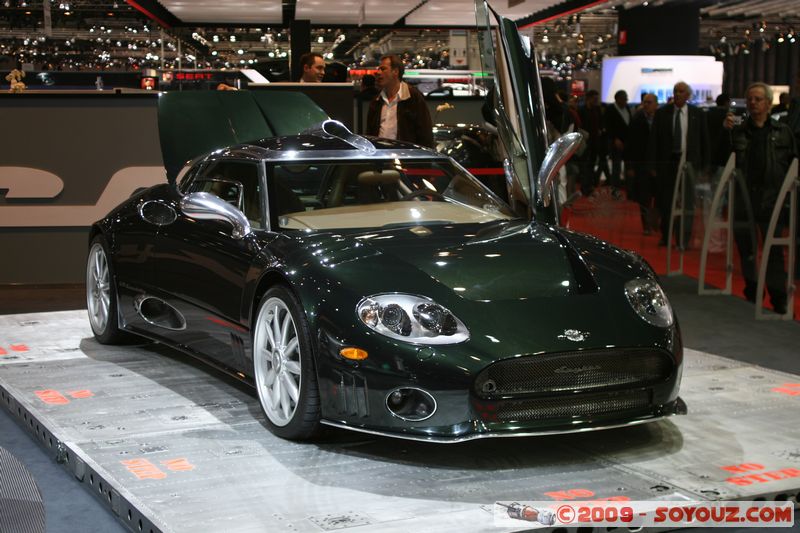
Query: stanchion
[[725, 185], [678, 210], [789, 188]]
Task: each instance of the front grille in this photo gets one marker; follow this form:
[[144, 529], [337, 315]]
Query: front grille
[[585, 370], [568, 407]]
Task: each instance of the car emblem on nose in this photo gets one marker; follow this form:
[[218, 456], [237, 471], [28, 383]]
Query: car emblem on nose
[[574, 335], [577, 369]]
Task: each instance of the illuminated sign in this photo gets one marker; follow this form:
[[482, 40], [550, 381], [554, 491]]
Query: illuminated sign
[[193, 76]]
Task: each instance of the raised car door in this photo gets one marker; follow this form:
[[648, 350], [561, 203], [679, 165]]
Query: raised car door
[[516, 106]]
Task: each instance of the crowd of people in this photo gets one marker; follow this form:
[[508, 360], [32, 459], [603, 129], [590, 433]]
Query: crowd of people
[[641, 150]]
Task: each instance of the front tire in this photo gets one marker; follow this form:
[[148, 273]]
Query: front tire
[[283, 366], [101, 294]]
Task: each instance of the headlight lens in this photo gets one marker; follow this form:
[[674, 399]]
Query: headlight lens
[[411, 318], [649, 301]]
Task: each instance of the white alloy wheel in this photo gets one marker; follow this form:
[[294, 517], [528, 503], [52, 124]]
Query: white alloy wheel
[[277, 361], [98, 289]]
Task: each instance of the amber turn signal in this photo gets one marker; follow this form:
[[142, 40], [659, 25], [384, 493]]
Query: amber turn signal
[[355, 354]]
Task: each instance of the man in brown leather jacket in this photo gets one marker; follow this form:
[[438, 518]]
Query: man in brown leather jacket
[[399, 111], [764, 150]]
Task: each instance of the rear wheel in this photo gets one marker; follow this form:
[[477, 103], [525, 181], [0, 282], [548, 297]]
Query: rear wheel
[[101, 294], [283, 365]]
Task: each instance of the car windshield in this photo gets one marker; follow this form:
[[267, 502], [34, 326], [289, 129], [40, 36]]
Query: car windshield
[[379, 193]]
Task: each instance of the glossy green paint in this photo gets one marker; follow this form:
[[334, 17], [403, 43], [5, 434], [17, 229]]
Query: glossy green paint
[[515, 303]]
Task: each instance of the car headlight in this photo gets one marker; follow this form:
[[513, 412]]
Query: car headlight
[[649, 301], [411, 318]]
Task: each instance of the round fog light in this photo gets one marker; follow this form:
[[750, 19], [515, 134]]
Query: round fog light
[[396, 398], [412, 404]]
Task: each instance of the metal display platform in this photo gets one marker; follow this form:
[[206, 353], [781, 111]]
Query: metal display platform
[[170, 445]]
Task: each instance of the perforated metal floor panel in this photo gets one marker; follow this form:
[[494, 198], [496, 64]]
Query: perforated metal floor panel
[[170, 445]]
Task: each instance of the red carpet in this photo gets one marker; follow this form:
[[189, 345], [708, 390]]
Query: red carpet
[[617, 221]]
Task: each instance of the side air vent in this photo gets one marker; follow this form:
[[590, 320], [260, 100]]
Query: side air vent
[[159, 313], [351, 395], [157, 212]]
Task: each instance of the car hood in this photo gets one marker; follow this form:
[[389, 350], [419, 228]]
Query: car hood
[[519, 287], [498, 261]]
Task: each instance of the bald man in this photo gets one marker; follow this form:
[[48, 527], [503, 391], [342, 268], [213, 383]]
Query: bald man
[[678, 129]]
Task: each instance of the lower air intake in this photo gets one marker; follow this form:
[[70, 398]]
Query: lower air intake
[[571, 407]]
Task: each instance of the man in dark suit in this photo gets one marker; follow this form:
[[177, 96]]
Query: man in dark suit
[[678, 129], [618, 119], [715, 119], [640, 178], [591, 115]]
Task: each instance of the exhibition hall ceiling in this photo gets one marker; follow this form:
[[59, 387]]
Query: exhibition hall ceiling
[[347, 12], [220, 33], [438, 12]]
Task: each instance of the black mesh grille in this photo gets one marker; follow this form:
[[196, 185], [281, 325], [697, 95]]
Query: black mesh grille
[[566, 407], [587, 370]]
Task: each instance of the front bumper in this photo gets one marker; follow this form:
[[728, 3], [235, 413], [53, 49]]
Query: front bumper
[[477, 430]]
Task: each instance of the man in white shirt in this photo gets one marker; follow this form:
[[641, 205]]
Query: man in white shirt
[[399, 111], [313, 67]]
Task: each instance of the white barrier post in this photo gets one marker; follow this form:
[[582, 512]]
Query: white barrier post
[[713, 223], [677, 210], [789, 188]]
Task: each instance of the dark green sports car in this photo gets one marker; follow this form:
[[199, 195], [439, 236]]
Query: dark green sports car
[[378, 286]]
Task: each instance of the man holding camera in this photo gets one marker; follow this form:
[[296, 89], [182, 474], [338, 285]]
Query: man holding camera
[[764, 150]]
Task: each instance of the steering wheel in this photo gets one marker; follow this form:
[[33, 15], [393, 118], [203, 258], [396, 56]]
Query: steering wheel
[[424, 192]]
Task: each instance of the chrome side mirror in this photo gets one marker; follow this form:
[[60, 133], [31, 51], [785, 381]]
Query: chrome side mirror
[[559, 153], [206, 206]]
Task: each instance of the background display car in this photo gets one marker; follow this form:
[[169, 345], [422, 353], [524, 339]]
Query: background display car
[[378, 286]]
